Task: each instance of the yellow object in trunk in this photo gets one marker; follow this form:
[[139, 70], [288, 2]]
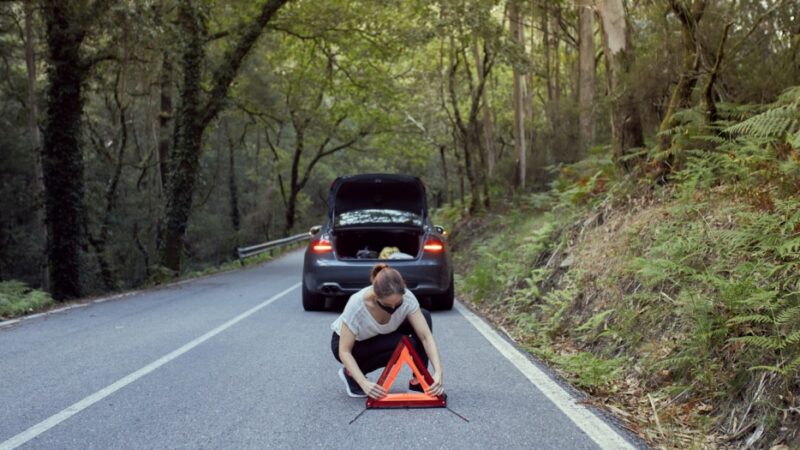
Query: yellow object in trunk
[[388, 251]]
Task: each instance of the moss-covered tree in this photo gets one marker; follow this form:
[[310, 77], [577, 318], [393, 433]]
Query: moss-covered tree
[[196, 112], [67, 22]]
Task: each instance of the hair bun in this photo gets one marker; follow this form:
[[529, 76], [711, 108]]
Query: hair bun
[[386, 281], [376, 269]]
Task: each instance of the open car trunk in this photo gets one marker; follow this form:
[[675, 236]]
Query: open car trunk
[[370, 243], [377, 192]]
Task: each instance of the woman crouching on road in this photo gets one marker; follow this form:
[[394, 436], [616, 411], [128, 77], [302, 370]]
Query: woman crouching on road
[[372, 324]]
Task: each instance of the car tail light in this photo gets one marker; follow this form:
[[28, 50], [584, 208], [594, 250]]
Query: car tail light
[[321, 246], [433, 246]]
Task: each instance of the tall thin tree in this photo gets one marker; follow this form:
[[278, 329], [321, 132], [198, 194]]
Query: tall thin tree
[[514, 18], [36, 140], [586, 73], [626, 122]]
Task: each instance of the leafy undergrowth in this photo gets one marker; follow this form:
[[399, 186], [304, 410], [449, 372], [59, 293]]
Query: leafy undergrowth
[[17, 299], [677, 308]]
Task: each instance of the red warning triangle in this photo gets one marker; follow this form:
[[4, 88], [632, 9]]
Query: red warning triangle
[[405, 354]]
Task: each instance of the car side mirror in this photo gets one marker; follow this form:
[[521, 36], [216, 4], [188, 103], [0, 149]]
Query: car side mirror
[[314, 230], [440, 229]]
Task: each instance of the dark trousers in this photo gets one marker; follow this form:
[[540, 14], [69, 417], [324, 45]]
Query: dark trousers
[[374, 353]]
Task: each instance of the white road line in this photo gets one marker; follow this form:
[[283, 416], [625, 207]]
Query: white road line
[[75, 408], [600, 432]]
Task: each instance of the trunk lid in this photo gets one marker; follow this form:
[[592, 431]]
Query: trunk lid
[[379, 199]]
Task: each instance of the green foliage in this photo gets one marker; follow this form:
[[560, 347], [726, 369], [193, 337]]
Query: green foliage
[[728, 251], [506, 258], [590, 371], [734, 281], [782, 118], [595, 322], [506, 270], [585, 182], [447, 217], [705, 296], [17, 299]]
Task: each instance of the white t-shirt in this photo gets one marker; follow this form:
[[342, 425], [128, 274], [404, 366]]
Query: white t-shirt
[[363, 325]]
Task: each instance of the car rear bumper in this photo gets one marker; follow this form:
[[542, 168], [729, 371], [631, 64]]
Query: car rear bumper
[[329, 276]]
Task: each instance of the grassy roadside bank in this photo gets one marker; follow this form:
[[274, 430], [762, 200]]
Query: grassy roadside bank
[[663, 311], [675, 306]]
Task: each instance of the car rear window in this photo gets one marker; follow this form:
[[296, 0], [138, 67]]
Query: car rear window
[[377, 216]]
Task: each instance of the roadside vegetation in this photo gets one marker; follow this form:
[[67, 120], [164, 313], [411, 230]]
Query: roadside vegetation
[[677, 305], [17, 299]]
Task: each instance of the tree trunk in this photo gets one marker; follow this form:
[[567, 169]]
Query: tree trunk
[[545, 24], [543, 156], [291, 211], [294, 175], [626, 125], [708, 89], [62, 165], [444, 174], [189, 133], [474, 126], [519, 116], [194, 116], [556, 49], [459, 166], [682, 94], [468, 140], [462, 184], [488, 128], [36, 144], [142, 249], [164, 120], [586, 83], [234, 195], [99, 243]]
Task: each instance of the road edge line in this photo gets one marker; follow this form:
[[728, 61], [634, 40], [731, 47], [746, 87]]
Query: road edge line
[[594, 427]]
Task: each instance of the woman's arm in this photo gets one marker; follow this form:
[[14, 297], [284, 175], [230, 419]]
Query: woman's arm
[[420, 326], [346, 342]]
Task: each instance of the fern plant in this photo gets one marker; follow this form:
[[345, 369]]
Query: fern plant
[[780, 120]]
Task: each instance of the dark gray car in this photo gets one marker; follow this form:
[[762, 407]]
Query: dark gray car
[[376, 218]]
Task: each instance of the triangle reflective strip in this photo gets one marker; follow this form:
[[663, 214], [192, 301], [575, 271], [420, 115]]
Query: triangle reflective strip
[[405, 354], [398, 364]]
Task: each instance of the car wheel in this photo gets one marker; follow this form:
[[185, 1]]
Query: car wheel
[[312, 301], [445, 301]]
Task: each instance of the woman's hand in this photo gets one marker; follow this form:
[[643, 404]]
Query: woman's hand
[[374, 390], [437, 388]]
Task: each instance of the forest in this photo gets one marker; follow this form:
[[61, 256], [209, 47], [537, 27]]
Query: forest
[[144, 140], [141, 136]]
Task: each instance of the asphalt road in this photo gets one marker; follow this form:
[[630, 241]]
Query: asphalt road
[[233, 361]]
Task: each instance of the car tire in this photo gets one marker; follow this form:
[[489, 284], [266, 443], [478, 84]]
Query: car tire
[[312, 301], [445, 301]]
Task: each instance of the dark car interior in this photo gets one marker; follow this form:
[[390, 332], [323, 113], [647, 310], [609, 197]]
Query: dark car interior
[[351, 243]]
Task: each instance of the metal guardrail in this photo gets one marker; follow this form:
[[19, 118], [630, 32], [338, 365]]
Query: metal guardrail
[[253, 250]]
